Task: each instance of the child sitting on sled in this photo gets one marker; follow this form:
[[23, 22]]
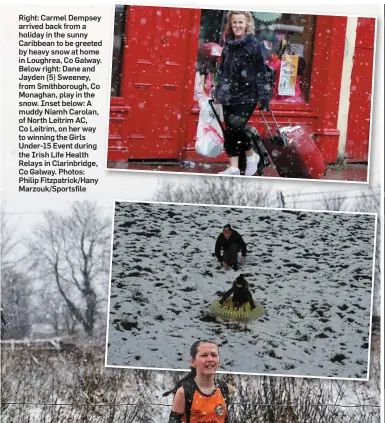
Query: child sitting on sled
[[241, 293]]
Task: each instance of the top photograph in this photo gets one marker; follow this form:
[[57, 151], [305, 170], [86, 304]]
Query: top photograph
[[237, 93]]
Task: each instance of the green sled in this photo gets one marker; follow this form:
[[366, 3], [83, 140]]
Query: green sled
[[243, 313]]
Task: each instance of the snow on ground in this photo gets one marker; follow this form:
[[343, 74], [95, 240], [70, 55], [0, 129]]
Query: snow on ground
[[312, 271]]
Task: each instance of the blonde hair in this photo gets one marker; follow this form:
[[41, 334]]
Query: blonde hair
[[250, 27]]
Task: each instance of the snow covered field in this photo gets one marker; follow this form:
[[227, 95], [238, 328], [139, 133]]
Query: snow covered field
[[312, 271]]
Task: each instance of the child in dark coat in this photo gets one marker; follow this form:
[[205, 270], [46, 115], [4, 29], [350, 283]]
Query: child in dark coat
[[241, 293]]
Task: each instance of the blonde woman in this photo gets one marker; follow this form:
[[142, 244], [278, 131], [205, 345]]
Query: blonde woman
[[241, 86]]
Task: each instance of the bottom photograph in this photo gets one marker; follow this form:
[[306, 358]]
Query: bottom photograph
[[241, 290]]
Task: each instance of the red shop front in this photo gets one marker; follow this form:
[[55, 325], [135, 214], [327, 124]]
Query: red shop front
[[153, 114]]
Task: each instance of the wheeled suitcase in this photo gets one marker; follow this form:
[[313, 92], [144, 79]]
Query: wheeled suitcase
[[255, 141], [293, 152]]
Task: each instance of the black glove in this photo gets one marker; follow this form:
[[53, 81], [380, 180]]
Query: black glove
[[175, 417], [264, 105]]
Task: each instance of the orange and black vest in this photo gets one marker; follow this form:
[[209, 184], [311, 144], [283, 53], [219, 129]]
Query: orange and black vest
[[202, 408]]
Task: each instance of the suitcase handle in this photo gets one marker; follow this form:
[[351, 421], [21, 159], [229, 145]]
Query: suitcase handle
[[283, 138], [211, 102]]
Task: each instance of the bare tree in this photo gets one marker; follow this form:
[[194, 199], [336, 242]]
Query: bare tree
[[369, 200], [15, 287], [8, 242], [72, 252], [15, 300], [223, 191], [54, 312], [294, 200], [333, 201]]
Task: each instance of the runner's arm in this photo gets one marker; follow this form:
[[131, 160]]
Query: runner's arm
[[178, 406]]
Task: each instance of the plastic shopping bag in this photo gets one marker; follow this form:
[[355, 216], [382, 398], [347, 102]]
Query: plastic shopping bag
[[198, 90], [209, 139]]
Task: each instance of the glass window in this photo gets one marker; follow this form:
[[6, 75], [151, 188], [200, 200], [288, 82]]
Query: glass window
[[288, 41], [117, 50], [212, 24], [210, 48]]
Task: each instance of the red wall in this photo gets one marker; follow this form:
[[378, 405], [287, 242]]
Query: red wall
[[357, 137]]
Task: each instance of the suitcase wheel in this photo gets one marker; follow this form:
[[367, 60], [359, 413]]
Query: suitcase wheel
[[266, 161]]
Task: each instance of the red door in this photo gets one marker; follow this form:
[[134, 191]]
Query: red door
[[357, 137], [155, 70]]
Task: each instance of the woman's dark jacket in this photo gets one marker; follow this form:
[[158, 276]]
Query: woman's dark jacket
[[241, 73]]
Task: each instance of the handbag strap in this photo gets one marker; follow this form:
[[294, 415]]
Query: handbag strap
[[211, 102]]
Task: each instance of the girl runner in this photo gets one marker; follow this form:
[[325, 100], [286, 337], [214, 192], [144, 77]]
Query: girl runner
[[199, 397]]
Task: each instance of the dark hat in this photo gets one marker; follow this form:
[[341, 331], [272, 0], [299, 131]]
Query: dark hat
[[227, 227], [241, 280]]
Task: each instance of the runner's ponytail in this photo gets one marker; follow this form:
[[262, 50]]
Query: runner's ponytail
[[190, 376]]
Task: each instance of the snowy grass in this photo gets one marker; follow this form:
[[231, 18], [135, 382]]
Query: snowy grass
[[312, 271], [74, 386]]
